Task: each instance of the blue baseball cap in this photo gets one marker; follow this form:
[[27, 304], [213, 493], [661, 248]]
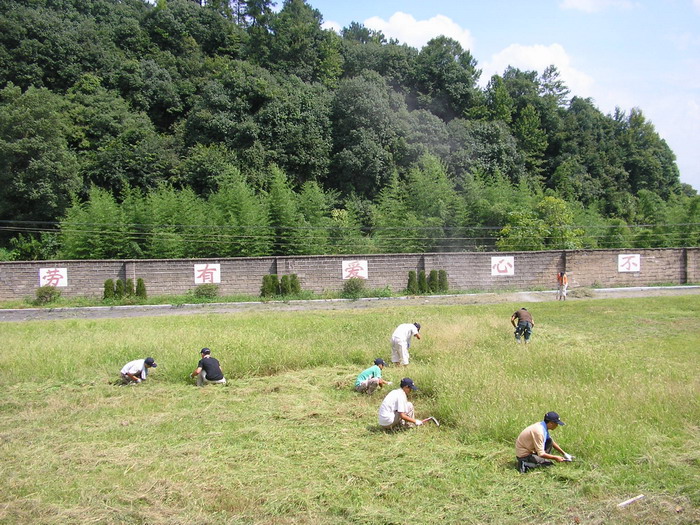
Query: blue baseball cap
[[553, 417], [379, 361], [407, 381]]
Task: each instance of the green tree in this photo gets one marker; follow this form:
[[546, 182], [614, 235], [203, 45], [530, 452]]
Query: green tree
[[315, 206], [242, 216], [431, 196], [396, 229], [301, 47], [446, 77], [527, 128], [285, 219], [96, 229], [499, 102], [38, 171]]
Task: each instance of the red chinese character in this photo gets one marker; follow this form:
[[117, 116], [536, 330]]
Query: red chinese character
[[629, 261], [502, 266], [53, 277], [206, 274], [354, 269]]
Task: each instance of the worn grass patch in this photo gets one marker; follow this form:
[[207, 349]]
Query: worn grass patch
[[288, 441]]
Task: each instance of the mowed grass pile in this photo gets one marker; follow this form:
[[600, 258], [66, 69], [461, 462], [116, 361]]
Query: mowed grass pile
[[288, 441]]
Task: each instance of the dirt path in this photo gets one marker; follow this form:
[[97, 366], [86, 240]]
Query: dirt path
[[103, 312]]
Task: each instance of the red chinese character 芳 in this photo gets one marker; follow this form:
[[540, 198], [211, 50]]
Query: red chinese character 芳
[[53, 277]]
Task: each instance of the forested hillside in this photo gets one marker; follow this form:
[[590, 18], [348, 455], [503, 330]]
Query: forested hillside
[[223, 128]]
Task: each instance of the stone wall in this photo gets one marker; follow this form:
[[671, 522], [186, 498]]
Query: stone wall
[[466, 271]]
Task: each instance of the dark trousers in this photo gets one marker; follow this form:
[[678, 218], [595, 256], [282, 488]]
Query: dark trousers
[[523, 328], [535, 461]]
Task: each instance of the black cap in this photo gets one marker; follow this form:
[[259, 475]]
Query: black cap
[[417, 325], [553, 417], [407, 381], [205, 351], [379, 361], [150, 362]]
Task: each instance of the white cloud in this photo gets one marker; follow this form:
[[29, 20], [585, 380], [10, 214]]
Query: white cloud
[[538, 58], [417, 33], [592, 6], [334, 26]]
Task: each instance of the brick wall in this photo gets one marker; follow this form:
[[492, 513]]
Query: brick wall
[[466, 271]]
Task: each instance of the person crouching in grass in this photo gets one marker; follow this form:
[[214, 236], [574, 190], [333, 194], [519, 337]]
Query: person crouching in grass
[[534, 444], [208, 370], [137, 370], [396, 411], [371, 378]]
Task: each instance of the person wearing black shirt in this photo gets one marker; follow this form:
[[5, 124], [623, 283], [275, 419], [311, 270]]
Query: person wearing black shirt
[[208, 370]]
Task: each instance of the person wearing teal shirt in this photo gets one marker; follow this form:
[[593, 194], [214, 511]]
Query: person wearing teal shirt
[[371, 379]]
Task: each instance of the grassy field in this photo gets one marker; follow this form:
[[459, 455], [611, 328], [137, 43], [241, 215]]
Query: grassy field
[[288, 441]]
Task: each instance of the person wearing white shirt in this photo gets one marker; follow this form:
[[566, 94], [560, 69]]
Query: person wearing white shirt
[[396, 410], [137, 370], [401, 341]]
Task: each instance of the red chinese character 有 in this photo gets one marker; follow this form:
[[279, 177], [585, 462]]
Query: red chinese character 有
[[206, 274]]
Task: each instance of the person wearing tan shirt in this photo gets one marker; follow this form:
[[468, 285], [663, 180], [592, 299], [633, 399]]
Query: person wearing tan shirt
[[534, 444]]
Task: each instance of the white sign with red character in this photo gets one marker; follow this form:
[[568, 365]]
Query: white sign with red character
[[53, 277], [207, 273], [502, 266], [629, 262], [355, 269]]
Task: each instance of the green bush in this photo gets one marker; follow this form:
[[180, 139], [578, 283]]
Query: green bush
[[275, 284], [294, 284], [129, 288], [443, 285], [422, 282], [46, 294], [119, 289], [141, 288], [285, 286], [270, 286], [433, 285], [412, 287], [353, 288], [108, 290], [206, 291]]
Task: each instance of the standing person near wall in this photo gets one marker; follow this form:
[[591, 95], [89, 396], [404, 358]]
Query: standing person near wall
[[401, 340], [563, 284], [524, 325]]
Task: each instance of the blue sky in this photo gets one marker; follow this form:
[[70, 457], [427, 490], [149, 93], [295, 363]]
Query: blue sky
[[621, 53]]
